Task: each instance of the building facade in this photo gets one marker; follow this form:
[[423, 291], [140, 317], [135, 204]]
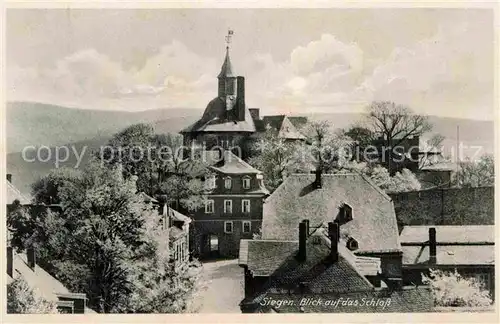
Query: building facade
[[232, 209]]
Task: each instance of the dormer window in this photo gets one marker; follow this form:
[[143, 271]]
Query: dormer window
[[228, 183], [345, 214], [352, 244], [210, 182], [246, 182]]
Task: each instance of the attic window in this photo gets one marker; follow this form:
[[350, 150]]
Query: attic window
[[345, 214], [352, 244]]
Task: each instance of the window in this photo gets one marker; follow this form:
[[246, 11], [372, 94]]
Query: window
[[228, 227], [245, 206], [228, 206], [210, 182], [247, 226], [209, 206], [246, 183], [227, 183]]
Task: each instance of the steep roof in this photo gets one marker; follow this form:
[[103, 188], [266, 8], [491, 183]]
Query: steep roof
[[226, 70], [215, 119], [229, 164], [263, 257], [455, 245], [373, 225], [282, 124], [14, 194], [39, 280], [317, 274], [146, 198], [176, 216]]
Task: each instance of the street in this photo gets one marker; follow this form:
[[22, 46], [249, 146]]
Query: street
[[221, 287]]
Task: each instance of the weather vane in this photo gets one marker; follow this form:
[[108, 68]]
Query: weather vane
[[228, 37]]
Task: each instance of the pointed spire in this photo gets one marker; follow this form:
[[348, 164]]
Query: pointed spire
[[227, 68]]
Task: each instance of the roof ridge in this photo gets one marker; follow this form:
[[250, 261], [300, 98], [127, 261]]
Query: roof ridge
[[385, 195]]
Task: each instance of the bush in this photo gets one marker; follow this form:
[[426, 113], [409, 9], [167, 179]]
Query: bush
[[452, 289], [21, 299]]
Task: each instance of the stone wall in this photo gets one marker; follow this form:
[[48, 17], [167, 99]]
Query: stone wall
[[448, 206]]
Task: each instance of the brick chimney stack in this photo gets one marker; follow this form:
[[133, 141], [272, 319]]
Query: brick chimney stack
[[10, 261], [30, 253], [302, 255], [240, 97], [333, 234], [432, 245]]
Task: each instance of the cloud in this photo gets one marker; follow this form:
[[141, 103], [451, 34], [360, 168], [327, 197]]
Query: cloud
[[441, 75]]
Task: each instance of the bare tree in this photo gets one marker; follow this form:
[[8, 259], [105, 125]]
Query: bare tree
[[395, 124]]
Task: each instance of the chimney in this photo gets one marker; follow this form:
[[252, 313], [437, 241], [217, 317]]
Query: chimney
[[432, 245], [301, 256], [30, 252], [307, 226], [317, 181], [255, 113], [333, 234], [10, 261], [9, 177], [240, 95]]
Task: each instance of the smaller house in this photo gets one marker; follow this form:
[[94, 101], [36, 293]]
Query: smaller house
[[178, 234], [320, 274], [176, 226], [365, 214], [470, 249], [24, 265], [287, 127]]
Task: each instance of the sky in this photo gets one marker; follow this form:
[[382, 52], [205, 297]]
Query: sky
[[436, 61]]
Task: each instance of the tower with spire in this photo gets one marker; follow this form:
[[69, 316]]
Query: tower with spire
[[226, 118]]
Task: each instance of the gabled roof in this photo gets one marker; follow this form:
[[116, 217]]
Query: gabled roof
[[317, 274], [146, 198], [374, 220], [229, 164], [14, 194], [263, 257], [440, 166], [283, 125], [176, 216], [39, 280], [215, 119]]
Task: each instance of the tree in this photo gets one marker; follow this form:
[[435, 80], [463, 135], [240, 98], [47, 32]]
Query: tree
[[452, 289], [328, 150], [101, 243], [160, 164], [275, 157], [401, 182], [477, 174], [395, 124], [46, 189], [22, 299], [432, 151], [363, 138]]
